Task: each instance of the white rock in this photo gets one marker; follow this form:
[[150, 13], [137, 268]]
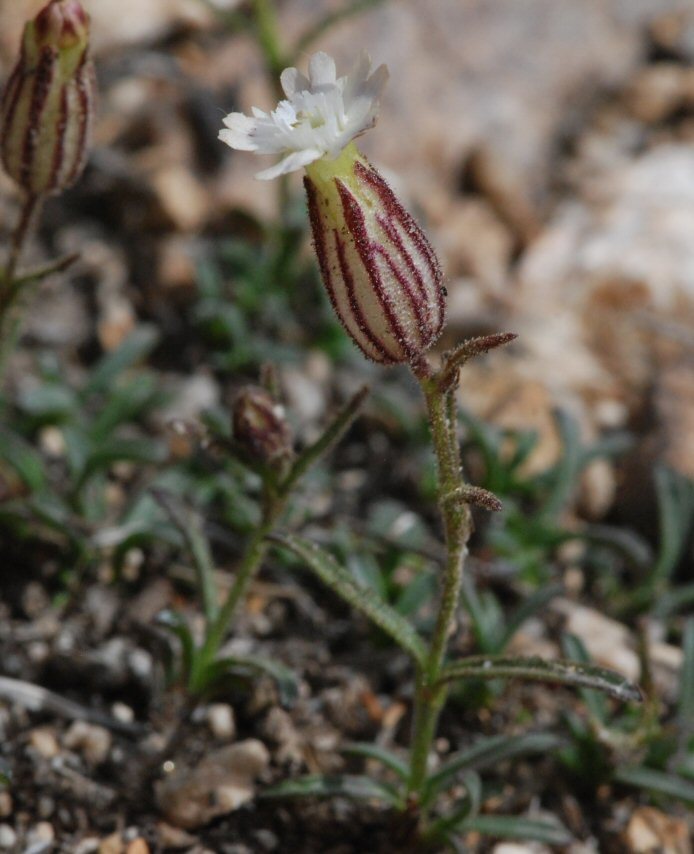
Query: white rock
[[220, 719], [220, 783], [93, 742], [8, 837]]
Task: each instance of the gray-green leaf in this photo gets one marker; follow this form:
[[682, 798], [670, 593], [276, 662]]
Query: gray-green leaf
[[364, 599], [537, 669]]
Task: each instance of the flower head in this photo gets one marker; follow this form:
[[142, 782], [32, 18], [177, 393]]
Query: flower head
[[47, 106], [320, 116]]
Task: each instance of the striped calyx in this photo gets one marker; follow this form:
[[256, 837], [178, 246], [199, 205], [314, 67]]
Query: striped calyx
[[381, 274], [260, 427], [47, 106]]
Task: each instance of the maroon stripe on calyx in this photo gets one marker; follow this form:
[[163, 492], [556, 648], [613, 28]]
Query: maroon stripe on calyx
[[406, 286], [357, 227], [359, 317], [398, 213], [320, 239], [84, 86], [43, 78], [11, 96], [59, 149], [421, 300]]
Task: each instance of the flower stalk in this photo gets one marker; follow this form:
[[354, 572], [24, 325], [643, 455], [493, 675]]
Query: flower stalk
[[430, 696], [46, 114]]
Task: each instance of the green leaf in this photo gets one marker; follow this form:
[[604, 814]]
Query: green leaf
[[486, 752], [176, 624], [380, 754], [517, 827], [338, 785], [685, 706], [468, 806], [574, 649], [137, 346], [24, 459], [659, 782], [330, 437], [364, 599], [284, 678], [536, 669], [675, 511]]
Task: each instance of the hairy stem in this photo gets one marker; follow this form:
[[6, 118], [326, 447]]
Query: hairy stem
[[10, 312], [429, 696]]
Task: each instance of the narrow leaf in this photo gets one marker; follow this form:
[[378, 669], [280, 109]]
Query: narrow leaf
[[284, 678], [536, 669], [380, 754], [486, 752], [330, 437], [660, 782], [468, 806], [330, 786], [685, 708], [340, 580], [135, 347], [517, 827]]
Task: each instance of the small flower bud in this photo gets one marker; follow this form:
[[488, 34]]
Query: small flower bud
[[47, 106], [381, 274], [259, 425]]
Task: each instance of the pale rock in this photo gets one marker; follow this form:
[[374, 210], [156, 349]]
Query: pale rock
[[44, 742], [192, 396], [279, 727], [659, 91], [42, 832], [173, 837], [137, 846], [93, 742], [223, 781], [520, 848], [8, 837], [183, 199], [112, 844], [651, 831], [6, 805], [89, 845], [608, 642], [220, 719]]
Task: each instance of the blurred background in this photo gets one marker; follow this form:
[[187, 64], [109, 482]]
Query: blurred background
[[547, 146]]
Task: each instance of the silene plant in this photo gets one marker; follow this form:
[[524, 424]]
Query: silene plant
[[386, 287]]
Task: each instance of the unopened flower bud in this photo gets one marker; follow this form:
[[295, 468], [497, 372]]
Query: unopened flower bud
[[260, 427], [381, 274], [47, 106]]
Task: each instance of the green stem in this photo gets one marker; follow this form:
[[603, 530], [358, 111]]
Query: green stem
[[255, 554], [10, 312], [430, 697]]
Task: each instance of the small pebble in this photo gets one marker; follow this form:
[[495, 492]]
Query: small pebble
[[5, 804], [112, 844], [137, 846], [41, 834], [220, 719], [93, 742], [8, 837], [44, 742], [123, 713], [88, 845]]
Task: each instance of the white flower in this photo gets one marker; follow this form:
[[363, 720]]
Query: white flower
[[321, 114]]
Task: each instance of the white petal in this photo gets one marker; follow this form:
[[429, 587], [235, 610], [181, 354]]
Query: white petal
[[357, 76], [321, 70], [239, 133], [293, 81], [290, 163]]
